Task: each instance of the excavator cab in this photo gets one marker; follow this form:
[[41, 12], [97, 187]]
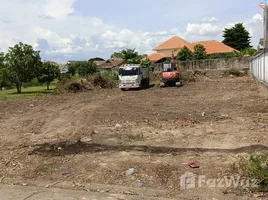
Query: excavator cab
[[170, 77]]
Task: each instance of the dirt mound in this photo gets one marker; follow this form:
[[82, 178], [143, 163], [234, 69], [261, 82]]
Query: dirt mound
[[89, 83], [101, 81]]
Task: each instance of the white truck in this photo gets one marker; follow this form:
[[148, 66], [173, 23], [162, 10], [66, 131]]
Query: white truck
[[133, 76]]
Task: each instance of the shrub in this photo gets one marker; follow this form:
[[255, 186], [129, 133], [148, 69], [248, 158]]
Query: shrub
[[111, 75], [32, 83], [256, 167]]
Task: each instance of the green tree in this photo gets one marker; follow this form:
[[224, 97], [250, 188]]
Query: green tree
[[4, 82], [199, 52], [117, 55], [48, 73], [146, 63], [237, 37], [23, 64], [131, 55], [128, 55], [184, 54], [82, 68], [95, 59]]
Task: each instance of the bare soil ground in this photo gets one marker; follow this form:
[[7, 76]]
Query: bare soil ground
[[94, 137]]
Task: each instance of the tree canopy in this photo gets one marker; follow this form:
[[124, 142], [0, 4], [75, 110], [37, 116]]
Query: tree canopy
[[128, 55], [3, 71], [184, 54], [146, 63], [82, 68], [48, 73], [199, 52], [23, 64], [117, 55], [237, 37], [95, 59]]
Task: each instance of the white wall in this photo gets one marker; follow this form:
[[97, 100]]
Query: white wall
[[259, 68], [167, 52]]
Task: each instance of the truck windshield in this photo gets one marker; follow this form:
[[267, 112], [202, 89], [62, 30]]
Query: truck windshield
[[129, 71]]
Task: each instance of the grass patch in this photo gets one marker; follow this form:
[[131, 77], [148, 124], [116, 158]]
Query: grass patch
[[26, 92], [256, 167]]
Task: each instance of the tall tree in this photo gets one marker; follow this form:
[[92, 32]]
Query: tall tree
[[146, 63], [129, 54], [48, 73], [199, 52], [184, 54], [117, 55], [23, 64], [237, 37], [3, 71]]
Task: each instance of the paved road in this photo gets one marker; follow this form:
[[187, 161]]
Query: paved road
[[34, 193]]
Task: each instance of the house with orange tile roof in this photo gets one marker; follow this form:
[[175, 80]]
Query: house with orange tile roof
[[156, 57], [213, 47], [175, 44]]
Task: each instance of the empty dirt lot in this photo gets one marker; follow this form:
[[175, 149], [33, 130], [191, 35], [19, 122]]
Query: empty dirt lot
[[88, 140]]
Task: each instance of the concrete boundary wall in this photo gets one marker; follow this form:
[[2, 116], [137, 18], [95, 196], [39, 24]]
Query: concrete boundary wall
[[213, 64]]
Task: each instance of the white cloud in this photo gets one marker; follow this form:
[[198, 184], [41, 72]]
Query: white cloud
[[96, 21], [203, 29], [57, 9], [258, 17], [67, 34], [210, 19]]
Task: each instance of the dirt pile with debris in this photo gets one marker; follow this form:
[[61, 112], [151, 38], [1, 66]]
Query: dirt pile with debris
[[98, 81]]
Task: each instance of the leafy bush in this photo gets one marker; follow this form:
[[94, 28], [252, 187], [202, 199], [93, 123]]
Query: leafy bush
[[256, 167], [234, 54], [214, 56], [32, 83], [83, 68], [111, 75]]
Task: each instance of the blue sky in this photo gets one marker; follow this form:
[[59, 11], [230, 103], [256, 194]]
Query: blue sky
[[80, 29]]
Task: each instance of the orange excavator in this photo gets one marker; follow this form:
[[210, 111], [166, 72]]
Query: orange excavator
[[171, 77]]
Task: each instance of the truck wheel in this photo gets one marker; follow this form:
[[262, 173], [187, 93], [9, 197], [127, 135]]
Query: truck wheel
[[178, 84], [162, 84], [123, 89]]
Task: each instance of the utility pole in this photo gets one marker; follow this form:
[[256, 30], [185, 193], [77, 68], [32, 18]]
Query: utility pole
[[265, 21]]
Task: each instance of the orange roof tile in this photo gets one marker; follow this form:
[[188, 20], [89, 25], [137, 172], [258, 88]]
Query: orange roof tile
[[173, 43], [155, 57], [213, 46]]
